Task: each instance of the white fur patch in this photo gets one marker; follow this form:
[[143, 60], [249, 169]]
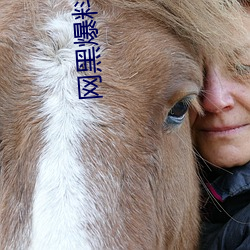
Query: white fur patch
[[62, 206]]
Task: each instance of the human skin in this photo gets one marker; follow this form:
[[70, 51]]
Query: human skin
[[222, 135]]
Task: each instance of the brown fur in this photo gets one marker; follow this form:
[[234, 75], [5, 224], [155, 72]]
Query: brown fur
[[143, 171]]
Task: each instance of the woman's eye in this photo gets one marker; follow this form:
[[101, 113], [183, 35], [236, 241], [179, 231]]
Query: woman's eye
[[177, 113], [242, 69]]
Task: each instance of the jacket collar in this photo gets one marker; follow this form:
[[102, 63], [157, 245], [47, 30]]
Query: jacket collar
[[229, 183]]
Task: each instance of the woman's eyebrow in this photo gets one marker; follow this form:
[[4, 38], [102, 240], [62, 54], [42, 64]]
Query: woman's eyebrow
[[243, 51]]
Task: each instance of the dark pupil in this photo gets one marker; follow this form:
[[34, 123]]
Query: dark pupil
[[179, 109]]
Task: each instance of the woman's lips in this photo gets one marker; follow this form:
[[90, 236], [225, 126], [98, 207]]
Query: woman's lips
[[225, 130]]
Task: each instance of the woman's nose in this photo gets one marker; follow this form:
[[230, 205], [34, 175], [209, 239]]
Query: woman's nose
[[217, 93]]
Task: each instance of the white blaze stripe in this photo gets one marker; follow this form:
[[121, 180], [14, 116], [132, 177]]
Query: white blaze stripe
[[61, 202]]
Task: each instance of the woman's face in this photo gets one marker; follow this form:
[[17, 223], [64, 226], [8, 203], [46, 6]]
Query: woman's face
[[222, 136]]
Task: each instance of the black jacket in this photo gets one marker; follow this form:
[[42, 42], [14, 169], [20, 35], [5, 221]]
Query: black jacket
[[226, 212]]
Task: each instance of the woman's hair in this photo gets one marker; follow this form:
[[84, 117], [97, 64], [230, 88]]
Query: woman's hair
[[244, 2]]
